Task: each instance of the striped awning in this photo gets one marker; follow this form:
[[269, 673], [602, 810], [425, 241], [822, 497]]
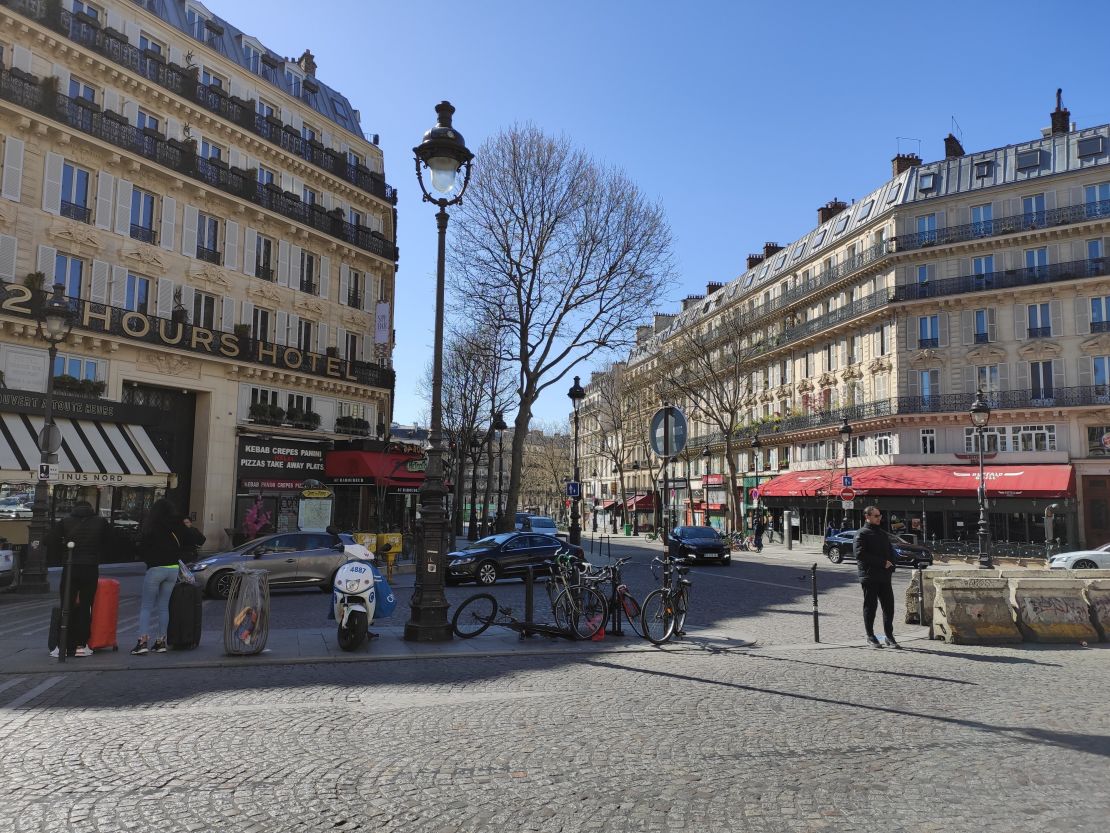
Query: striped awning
[[91, 454]]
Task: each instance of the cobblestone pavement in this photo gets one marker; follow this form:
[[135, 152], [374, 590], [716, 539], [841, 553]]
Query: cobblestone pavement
[[686, 738]]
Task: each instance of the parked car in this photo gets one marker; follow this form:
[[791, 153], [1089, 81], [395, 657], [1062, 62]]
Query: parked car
[[505, 554], [293, 559], [538, 523], [839, 546], [1096, 559], [697, 543], [16, 508]]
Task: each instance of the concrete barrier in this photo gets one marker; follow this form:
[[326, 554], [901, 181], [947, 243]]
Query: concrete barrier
[[1098, 600], [1052, 610], [975, 610], [930, 589]]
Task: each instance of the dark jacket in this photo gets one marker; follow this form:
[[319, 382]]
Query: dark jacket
[[163, 545], [873, 549], [88, 531]]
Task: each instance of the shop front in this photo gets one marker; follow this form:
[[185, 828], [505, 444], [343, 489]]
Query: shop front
[[937, 502], [376, 490], [716, 500], [641, 508], [271, 471]]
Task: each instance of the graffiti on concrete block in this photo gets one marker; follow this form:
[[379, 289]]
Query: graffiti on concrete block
[[1055, 608]]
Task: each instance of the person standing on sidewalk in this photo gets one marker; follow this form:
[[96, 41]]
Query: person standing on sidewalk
[[165, 536], [875, 563], [89, 534]]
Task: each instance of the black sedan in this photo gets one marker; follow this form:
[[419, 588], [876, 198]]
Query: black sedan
[[505, 554], [838, 546], [695, 543]]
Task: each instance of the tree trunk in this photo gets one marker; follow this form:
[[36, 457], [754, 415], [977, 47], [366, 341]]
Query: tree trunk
[[520, 436], [730, 493], [460, 485], [489, 482]]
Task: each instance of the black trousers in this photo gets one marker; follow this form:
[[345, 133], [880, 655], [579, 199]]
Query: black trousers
[[877, 591], [82, 589]]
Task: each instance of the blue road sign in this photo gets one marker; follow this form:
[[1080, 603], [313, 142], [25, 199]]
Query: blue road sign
[[847, 480], [574, 489]]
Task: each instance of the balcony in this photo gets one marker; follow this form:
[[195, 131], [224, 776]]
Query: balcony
[[264, 271], [1011, 278], [928, 343], [182, 159], [309, 287], [1100, 326], [1007, 400], [81, 213], [1026, 221], [354, 300], [209, 255], [183, 81], [143, 233], [982, 338], [1040, 332]]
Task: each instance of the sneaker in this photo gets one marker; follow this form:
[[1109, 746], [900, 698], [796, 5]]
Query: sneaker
[[83, 651], [54, 653], [874, 642], [140, 648], [891, 643], [159, 646]]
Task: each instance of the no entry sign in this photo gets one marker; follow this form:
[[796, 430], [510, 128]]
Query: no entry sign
[[847, 493]]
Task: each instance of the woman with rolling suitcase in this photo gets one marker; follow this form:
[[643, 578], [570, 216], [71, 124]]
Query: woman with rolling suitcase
[[166, 536]]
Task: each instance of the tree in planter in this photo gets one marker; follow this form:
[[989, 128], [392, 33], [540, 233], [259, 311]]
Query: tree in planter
[[294, 415], [310, 420]]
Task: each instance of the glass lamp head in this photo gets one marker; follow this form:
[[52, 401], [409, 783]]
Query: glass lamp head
[[980, 411], [443, 152]]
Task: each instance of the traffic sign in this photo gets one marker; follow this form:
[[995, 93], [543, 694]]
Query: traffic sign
[[50, 439], [574, 489], [48, 471], [753, 495], [847, 504], [847, 493], [675, 422], [846, 480]]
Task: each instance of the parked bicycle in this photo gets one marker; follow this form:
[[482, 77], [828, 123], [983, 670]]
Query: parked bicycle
[[654, 534], [621, 601], [664, 610]]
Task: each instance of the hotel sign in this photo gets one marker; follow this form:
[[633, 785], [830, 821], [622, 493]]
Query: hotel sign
[[97, 410], [16, 299]]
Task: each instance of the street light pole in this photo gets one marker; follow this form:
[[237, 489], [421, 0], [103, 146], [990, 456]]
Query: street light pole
[[54, 325], [705, 488], [475, 456], [443, 152], [576, 395], [499, 426], [757, 444], [593, 486], [980, 416]]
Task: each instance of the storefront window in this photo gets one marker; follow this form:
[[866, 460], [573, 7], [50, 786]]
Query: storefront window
[[1098, 440]]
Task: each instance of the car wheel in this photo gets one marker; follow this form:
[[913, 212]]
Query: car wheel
[[825, 550], [833, 554], [219, 587], [726, 560], [1084, 564], [487, 573]]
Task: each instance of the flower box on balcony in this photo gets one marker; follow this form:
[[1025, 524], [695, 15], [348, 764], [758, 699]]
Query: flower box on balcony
[[275, 122], [114, 34], [154, 55], [120, 118], [88, 20], [90, 388]]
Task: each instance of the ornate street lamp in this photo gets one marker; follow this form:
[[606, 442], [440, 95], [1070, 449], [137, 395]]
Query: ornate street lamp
[[442, 152], [757, 444], [593, 478], [54, 323], [705, 489], [475, 456], [845, 439], [576, 395], [499, 426], [980, 416]]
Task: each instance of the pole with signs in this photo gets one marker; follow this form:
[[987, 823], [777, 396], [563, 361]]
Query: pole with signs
[[668, 439]]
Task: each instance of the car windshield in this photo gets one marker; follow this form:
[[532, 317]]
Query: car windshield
[[697, 532], [543, 523], [491, 540]]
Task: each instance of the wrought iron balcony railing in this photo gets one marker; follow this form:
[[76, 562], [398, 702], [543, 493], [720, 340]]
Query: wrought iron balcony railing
[[982, 338], [209, 255], [1008, 399], [309, 287], [143, 233], [75, 211], [354, 300], [1029, 276], [181, 157], [1040, 332], [1026, 221], [1100, 326], [927, 343], [263, 270], [183, 81]]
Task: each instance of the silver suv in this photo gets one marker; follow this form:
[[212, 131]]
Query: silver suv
[[538, 523]]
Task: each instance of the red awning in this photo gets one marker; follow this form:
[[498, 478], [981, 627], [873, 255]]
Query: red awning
[[1054, 481], [641, 502], [375, 468], [606, 505]]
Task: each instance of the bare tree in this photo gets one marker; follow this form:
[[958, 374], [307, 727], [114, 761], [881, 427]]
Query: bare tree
[[547, 466], [621, 411], [567, 256], [707, 368]]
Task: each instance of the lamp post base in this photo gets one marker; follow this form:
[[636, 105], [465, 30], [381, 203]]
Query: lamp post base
[[428, 624]]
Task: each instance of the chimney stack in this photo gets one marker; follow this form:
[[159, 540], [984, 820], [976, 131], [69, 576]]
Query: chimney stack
[[691, 301], [952, 147], [307, 62], [1061, 117], [904, 161], [754, 261], [830, 210], [661, 322], [770, 248]]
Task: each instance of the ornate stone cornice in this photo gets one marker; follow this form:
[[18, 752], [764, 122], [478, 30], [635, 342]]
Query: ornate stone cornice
[[986, 354], [1040, 350], [264, 292], [926, 358], [147, 257], [75, 232], [1098, 345], [310, 306], [879, 364]]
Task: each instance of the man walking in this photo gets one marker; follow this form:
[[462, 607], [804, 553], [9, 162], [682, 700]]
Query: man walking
[[875, 563]]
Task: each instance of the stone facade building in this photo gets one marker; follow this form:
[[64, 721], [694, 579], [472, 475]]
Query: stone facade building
[[983, 270], [226, 235]]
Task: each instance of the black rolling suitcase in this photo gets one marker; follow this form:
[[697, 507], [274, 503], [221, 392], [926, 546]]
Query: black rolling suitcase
[[185, 616]]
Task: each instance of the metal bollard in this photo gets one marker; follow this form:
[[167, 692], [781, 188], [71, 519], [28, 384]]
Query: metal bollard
[[920, 597], [816, 623], [529, 602], [788, 528]]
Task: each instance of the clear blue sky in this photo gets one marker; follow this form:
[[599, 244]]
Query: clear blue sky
[[741, 118]]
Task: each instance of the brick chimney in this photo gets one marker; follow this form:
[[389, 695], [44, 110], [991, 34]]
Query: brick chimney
[[643, 333], [307, 62], [691, 301], [904, 161], [661, 322], [770, 248], [754, 261], [712, 287], [1061, 116], [952, 147], [830, 210]]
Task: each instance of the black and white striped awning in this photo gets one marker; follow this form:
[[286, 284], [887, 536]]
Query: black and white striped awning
[[91, 454]]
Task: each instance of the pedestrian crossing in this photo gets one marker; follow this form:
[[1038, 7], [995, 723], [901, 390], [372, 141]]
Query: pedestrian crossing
[[24, 689]]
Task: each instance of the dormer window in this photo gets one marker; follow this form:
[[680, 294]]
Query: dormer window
[[294, 80], [983, 169], [194, 22], [927, 182], [253, 58]]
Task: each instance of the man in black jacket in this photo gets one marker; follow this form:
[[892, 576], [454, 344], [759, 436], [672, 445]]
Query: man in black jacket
[[89, 534], [875, 562]]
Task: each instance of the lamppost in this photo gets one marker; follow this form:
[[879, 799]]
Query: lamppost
[[576, 395], [475, 456], [704, 488], [54, 323], [757, 444], [593, 478], [499, 426], [443, 152], [845, 439], [980, 416]]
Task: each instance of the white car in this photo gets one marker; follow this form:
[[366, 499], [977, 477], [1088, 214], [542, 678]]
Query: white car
[[1098, 559]]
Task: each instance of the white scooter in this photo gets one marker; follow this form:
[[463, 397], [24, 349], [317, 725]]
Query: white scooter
[[354, 597]]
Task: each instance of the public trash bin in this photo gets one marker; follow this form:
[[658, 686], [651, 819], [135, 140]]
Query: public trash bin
[[247, 614], [628, 529]]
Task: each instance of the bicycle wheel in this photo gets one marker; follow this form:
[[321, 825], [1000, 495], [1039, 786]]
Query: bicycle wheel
[[632, 612], [474, 615], [581, 611], [657, 616], [681, 608]]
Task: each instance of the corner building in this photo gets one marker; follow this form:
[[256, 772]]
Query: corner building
[[982, 270], [226, 235]]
